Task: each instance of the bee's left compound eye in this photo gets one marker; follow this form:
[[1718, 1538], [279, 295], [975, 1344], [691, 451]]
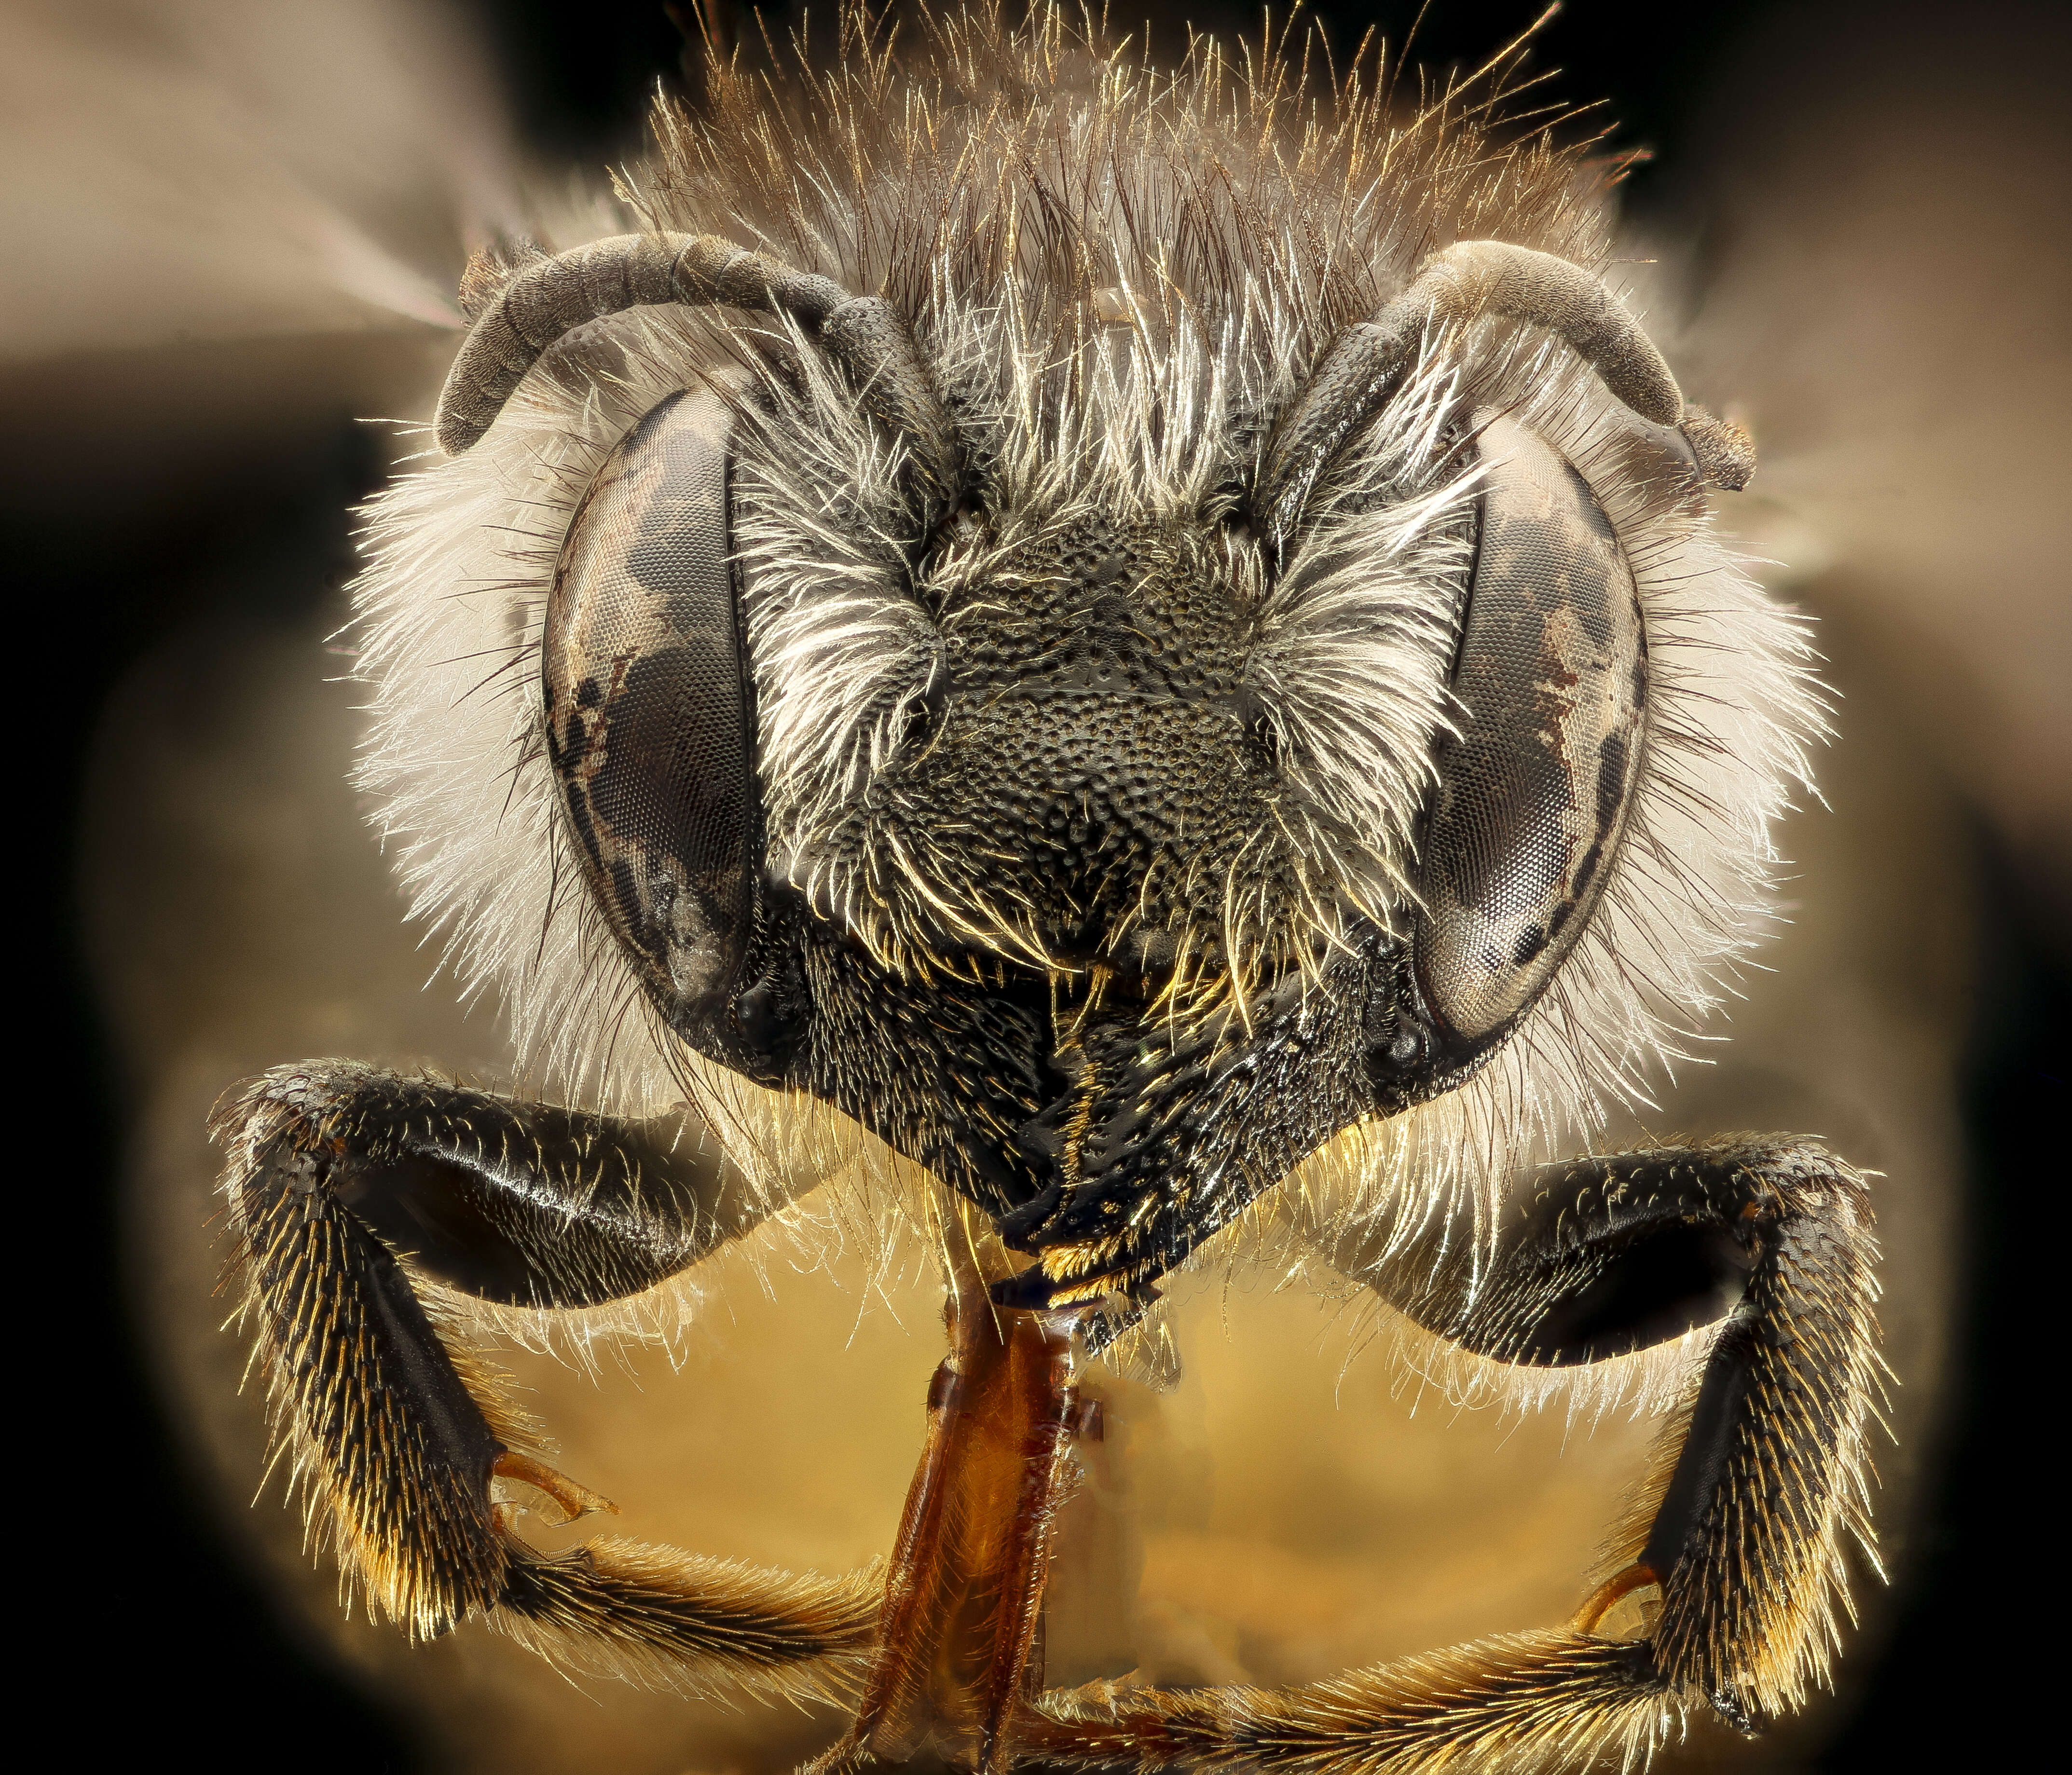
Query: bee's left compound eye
[[648, 720], [1534, 792]]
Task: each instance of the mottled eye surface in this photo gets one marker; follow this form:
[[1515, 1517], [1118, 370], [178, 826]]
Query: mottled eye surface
[[1552, 682], [648, 718]]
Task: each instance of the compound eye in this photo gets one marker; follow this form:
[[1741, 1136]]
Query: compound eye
[[648, 720], [1533, 794]]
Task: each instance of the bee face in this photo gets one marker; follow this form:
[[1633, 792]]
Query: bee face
[[1095, 848], [1109, 822]]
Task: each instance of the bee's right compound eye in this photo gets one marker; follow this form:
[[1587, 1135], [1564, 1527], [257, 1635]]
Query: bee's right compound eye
[[649, 723], [1534, 792]]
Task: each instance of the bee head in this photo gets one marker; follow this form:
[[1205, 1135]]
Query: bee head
[[1108, 727]]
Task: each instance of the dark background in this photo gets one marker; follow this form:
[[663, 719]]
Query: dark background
[[111, 544]]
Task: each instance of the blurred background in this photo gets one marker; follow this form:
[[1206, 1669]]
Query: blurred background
[[232, 229]]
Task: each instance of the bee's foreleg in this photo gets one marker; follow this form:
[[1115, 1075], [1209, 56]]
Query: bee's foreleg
[[338, 1172], [1759, 1481], [1756, 1483]]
